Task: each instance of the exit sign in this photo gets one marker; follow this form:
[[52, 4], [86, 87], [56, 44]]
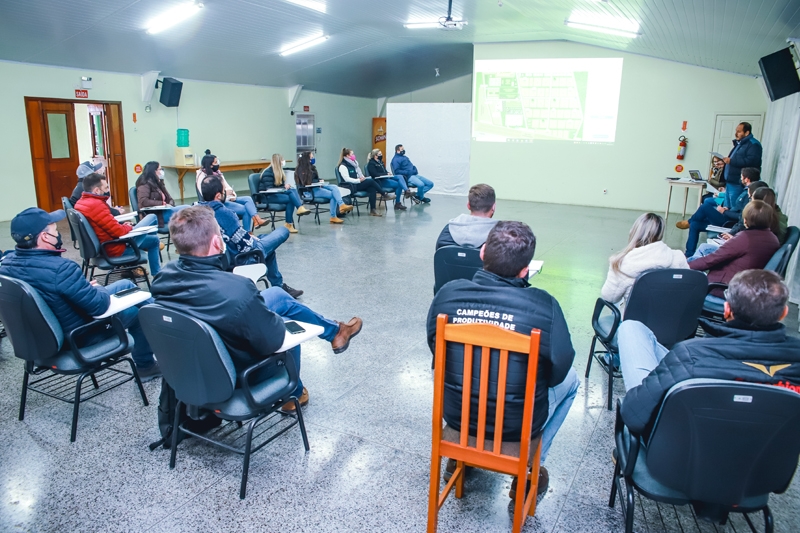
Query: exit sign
[[81, 93]]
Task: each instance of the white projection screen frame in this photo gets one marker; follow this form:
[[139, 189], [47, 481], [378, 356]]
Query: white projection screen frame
[[526, 100], [437, 140]]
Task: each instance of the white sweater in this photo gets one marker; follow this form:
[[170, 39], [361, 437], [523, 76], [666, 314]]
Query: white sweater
[[650, 257]]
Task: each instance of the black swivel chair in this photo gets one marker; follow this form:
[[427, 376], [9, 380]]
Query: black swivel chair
[[134, 199], [668, 301], [38, 339], [66, 204], [355, 194], [196, 364], [455, 262], [721, 446]]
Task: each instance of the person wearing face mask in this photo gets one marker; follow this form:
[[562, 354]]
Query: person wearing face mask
[[350, 172], [241, 205], [274, 177], [60, 282], [84, 169], [376, 169], [94, 207], [151, 192], [306, 173], [401, 166]]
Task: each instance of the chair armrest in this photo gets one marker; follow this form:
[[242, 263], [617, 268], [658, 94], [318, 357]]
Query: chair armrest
[[716, 285], [116, 325], [116, 261], [627, 445], [279, 359], [598, 309], [242, 258]]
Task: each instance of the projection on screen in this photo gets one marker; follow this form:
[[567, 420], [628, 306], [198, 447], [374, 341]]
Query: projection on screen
[[526, 100]]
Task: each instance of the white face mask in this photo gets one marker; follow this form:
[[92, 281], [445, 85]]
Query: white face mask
[[283, 164], [160, 174]]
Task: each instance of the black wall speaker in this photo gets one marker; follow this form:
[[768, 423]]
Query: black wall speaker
[[171, 92], [780, 74]]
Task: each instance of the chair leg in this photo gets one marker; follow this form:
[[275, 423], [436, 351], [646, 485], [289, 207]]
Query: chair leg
[[769, 522], [591, 356], [461, 468], [629, 507], [138, 381], [433, 491], [24, 398], [76, 405], [176, 427], [301, 423], [613, 496], [610, 387], [94, 381], [246, 463]]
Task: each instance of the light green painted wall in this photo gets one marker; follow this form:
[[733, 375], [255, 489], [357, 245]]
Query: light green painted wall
[[234, 121], [656, 97], [458, 90]]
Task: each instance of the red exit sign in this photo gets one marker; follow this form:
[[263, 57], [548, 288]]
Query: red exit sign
[[81, 93]]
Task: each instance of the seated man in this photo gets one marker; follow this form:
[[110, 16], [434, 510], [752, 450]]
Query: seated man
[[401, 166], [248, 322], [502, 288], [37, 260], [94, 207], [84, 170], [471, 230], [710, 214], [751, 346], [238, 240]]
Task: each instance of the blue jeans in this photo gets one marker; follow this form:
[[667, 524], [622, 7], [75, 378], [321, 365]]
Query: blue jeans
[[706, 214], [560, 399], [141, 353], [639, 352], [703, 250], [292, 200], [150, 243], [422, 184], [398, 184], [167, 213], [280, 303], [244, 207], [328, 192], [732, 192], [268, 244]]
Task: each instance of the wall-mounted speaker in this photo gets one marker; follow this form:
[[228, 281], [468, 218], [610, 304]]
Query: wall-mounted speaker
[[780, 74], [171, 92]]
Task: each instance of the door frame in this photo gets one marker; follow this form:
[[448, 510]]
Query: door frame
[[117, 172]]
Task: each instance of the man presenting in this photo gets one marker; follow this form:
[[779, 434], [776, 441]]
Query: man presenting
[[746, 152], [471, 230], [501, 290], [401, 166]]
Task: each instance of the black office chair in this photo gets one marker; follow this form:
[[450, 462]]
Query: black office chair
[[196, 364], [668, 301], [263, 201], [454, 262], [721, 446], [355, 194], [134, 199], [66, 204], [94, 254], [313, 200], [38, 339], [385, 191]]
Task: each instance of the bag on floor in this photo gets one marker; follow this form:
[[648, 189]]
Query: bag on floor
[[167, 402]]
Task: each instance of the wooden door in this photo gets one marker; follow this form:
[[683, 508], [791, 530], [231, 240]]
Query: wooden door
[[117, 167]]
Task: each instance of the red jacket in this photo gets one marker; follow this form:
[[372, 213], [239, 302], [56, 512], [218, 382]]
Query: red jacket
[[751, 248], [97, 212]]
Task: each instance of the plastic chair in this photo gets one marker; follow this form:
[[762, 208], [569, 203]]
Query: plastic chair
[[196, 364], [94, 254], [668, 301], [134, 199], [721, 446], [490, 347], [355, 194], [454, 262], [38, 340], [263, 201], [66, 205]]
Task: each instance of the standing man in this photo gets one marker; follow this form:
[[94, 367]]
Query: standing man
[[471, 230], [401, 166], [746, 153]]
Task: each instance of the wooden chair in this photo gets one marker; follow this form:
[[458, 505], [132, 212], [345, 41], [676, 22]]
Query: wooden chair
[[478, 451]]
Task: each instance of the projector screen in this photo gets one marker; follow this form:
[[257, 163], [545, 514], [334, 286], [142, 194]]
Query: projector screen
[[565, 99]]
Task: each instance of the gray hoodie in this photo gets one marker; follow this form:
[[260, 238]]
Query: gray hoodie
[[468, 230]]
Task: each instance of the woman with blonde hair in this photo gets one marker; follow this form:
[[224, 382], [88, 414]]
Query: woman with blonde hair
[[274, 177], [645, 251], [351, 174]]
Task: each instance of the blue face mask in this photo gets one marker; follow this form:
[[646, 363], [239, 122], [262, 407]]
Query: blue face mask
[[313, 160]]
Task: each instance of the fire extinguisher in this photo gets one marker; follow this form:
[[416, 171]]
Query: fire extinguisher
[[682, 140]]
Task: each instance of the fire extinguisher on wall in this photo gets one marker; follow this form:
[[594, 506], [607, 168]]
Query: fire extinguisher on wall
[[682, 140]]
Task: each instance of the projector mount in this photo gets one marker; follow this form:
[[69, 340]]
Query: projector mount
[[447, 23]]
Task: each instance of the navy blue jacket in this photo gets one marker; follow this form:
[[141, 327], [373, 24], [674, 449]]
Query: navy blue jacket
[[236, 238], [401, 166], [61, 284], [747, 155]]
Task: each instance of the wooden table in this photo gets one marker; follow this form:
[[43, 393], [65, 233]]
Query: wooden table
[[687, 184], [256, 165]]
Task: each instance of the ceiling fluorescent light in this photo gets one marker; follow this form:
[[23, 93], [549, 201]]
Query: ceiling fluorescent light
[[311, 4], [172, 17], [604, 24], [447, 24], [602, 29], [291, 49]]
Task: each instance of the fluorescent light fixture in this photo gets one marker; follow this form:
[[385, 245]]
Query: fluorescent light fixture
[[604, 24], [172, 17], [438, 24], [311, 4], [296, 47]]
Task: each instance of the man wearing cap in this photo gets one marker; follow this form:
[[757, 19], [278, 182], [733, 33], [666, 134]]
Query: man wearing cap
[[84, 170], [37, 260]]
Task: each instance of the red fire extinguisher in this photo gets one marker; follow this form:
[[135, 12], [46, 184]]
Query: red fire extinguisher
[[682, 140]]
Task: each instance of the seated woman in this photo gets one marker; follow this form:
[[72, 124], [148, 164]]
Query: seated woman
[[241, 205], [751, 248], [274, 177], [351, 173], [306, 173], [151, 192], [376, 169]]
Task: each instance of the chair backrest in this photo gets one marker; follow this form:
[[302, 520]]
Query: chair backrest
[[722, 441], [494, 344], [792, 236], [30, 323], [134, 199], [669, 302], [252, 182], [192, 357], [89, 243], [455, 262], [780, 260], [66, 205]]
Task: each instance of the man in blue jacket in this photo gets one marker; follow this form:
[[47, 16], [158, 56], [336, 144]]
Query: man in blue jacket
[[401, 166], [746, 152], [500, 294], [74, 301]]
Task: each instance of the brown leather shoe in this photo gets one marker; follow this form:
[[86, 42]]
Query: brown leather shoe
[[336, 220], [344, 208], [374, 213], [161, 246], [541, 487], [682, 224], [259, 222], [289, 407], [346, 332]]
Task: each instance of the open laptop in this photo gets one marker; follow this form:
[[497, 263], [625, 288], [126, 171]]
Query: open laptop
[[696, 175]]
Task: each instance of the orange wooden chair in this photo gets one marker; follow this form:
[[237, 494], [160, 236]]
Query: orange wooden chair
[[477, 451]]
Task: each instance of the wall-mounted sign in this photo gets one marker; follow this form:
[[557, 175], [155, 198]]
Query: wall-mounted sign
[[306, 108], [678, 168], [137, 168], [81, 93]]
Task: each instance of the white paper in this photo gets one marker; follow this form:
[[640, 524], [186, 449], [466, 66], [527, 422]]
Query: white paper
[[710, 188], [126, 216], [534, 267], [717, 155], [718, 229], [136, 232], [120, 303]]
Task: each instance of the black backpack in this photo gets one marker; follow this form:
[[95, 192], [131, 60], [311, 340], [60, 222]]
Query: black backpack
[[167, 402]]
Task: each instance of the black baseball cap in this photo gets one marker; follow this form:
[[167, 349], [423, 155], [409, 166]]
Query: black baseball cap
[[31, 222]]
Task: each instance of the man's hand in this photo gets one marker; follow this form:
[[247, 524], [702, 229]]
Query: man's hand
[[726, 160], [722, 209], [127, 223], [94, 283], [725, 236]]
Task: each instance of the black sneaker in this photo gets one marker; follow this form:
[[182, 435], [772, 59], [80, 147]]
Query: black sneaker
[[425, 200], [150, 373], [294, 293], [399, 207]]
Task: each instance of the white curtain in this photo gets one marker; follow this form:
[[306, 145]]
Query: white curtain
[[781, 168]]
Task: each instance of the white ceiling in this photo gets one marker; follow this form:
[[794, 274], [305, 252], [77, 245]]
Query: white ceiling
[[369, 52]]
